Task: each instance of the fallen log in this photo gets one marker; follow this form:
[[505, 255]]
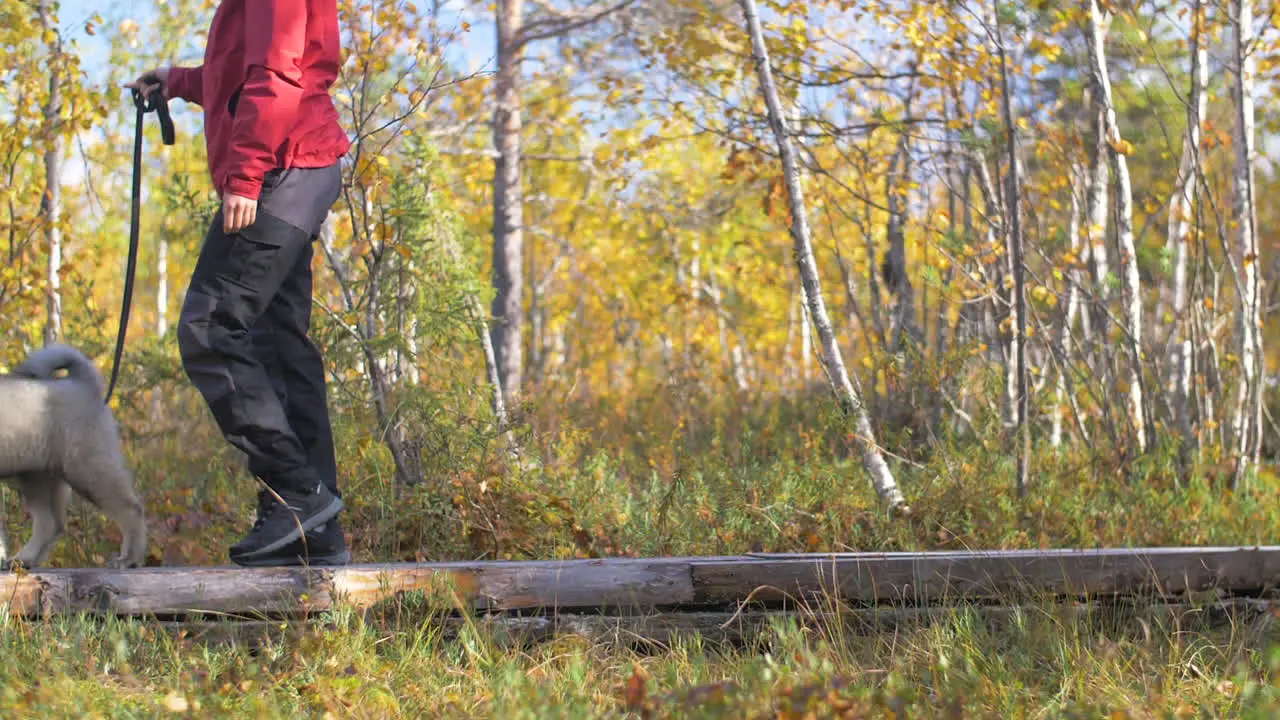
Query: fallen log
[[662, 631], [630, 584]]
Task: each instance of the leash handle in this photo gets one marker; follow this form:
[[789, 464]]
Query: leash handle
[[155, 102]]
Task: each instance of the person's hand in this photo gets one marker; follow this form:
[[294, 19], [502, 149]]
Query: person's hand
[[150, 80], [238, 212]]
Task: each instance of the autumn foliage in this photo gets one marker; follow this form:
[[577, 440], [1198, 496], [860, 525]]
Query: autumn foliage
[[560, 304], [672, 397]]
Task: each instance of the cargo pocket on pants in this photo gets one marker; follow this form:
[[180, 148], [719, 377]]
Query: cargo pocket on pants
[[250, 262]]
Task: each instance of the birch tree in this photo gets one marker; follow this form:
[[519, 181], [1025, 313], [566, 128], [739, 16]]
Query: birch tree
[[1099, 23], [894, 268], [1181, 206], [1019, 325], [1246, 425], [1065, 337], [843, 384], [53, 155]]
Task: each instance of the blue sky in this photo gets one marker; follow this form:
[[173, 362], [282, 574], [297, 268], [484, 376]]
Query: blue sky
[[473, 50]]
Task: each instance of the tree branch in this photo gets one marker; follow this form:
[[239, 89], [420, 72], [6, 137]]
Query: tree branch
[[561, 22]]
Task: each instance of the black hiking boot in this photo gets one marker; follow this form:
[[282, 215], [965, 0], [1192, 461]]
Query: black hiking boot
[[323, 546], [278, 532]]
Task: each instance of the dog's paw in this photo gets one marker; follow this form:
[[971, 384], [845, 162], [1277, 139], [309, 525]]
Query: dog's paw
[[120, 563]]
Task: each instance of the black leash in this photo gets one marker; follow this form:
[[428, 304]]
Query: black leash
[[154, 103]]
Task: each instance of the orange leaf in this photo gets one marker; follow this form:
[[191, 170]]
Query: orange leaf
[[637, 688]]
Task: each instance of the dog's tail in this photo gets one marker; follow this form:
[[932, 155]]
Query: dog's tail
[[44, 364]]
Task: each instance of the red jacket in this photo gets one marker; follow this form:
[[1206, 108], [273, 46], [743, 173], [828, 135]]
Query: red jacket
[[264, 87]]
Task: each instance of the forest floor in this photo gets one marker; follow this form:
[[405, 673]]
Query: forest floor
[[722, 485]]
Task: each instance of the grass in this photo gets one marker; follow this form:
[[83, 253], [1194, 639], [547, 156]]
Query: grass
[[1041, 665], [686, 476]]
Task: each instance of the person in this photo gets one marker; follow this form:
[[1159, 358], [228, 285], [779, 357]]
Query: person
[[275, 146]]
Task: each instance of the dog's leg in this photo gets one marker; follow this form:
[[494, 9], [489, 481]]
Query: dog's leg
[[126, 510], [111, 490], [46, 498]]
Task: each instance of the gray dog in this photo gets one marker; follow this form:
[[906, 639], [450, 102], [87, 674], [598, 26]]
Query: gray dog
[[57, 435]]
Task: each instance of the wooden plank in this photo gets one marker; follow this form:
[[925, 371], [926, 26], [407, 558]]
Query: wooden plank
[[164, 591], [905, 577], [659, 631], [629, 583], [176, 591], [596, 583], [269, 592], [26, 595]]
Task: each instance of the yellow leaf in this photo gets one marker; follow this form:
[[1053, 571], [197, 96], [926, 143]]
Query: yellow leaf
[[1122, 147], [175, 703]]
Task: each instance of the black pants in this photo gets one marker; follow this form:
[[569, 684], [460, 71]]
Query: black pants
[[244, 333]]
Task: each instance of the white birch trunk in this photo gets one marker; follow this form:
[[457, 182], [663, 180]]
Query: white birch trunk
[[53, 233], [844, 385], [1181, 207], [53, 181], [739, 367], [415, 373], [806, 333], [1072, 308], [1246, 424], [995, 228], [1211, 363], [1097, 254], [495, 381], [1099, 22], [1019, 326], [902, 318]]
